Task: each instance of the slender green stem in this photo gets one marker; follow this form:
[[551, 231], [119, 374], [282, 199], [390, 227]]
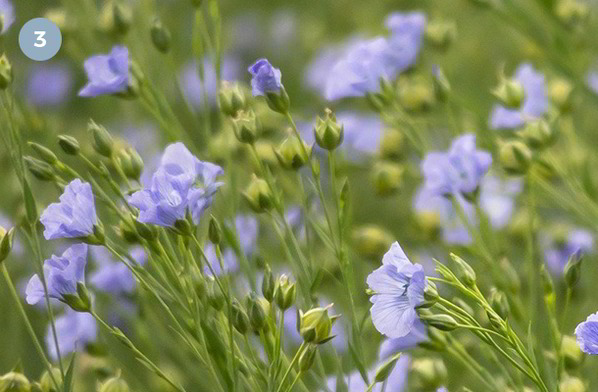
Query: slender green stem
[[291, 365]]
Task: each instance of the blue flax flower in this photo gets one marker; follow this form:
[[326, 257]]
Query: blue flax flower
[[497, 199], [8, 13], [112, 276], [534, 105], [592, 81], [557, 253], [362, 134], [74, 216], [74, 331], [182, 183], [49, 85], [62, 274], [587, 335], [107, 73], [399, 288], [265, 78], [458, 170]]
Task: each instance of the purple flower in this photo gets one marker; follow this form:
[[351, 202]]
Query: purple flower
[[192, 85], [247, 228], [111, 276], [592, 81], [399, 288], [407, 30], [181, 183], [62, 274], [74, 330], [557, 254], [229, 261], [49, 85], [107, 73], [265, 78], [7, 11], [458, 170], [390, 347], [587, 335], [497, 199], [74, 216], [362, 134], [534, 105]]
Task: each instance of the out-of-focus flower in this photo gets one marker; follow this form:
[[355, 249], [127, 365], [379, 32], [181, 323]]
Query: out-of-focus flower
[[398, 287], [247, 228], [362, 134], [592, 81], [111, 276], [396, 381], [74, 330], [7, 13], [62, 274], [459, 170], [107, 73], [534, 105], [74, 216], [174, 189], [49, 85], [229, 261], [192, 84], [407, 30], [557, 252], [587, 335], [497, 199], [265, 78], [389, 347]]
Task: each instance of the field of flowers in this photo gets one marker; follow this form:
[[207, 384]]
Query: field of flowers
[[339, 196]]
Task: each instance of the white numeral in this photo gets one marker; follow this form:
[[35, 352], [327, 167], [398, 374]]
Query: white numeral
[[40, 42]]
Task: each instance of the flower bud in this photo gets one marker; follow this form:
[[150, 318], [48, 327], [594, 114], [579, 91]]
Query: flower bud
[[114, 384], [256, 312], [268, 284], [443, 322], [14, 382], [560, 91], [5, 72], [572, 384], [392, 146], [69, 144], [306, 360], [371, 241], [429, 373], [258, 195], [328, 132], [145, 231], [441, 33], [291, 155], [122, 16], [81, 302], [278, 101], [46, 384], [510, 92], [130, 162], [430, 295], [509, 276], [39, 169], [573, 269], [246, 126], [215, 296], [214, 231], [44, 153], [231, 98], [515, 157], [538, 134], [387, 178], [6, 239], [442, 86], [570, 352], [464, 272], [571, 12], [498, 301], [285, 292], [416, 94], [429, 224], [239, 317], [161, 37], [315, 325], [102, 141]]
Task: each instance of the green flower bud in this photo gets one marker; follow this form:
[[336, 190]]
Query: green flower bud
[[515, 157], [98, 236], [371, 241], [81, 302], [429, 223], [538, 134], [239, 317], [131, 163], [102, 141], [464, 272], [572, 384], [429, 373], [145, 231], [122, 16], [573, 269], [258, 195], [443, 322], [69, 144], [509, 276], [44, 153], [14, 382], [214, 231], [39, 169], [256, 312], [430, 295], [392, 145], [386, 368], [498, 301], [315, 325], [387, 178], [328, 132], [279, 102], [571, 12], [128, 234], [510, 92], [45, 382], [231, 98], [442, 86], [560, 91], [161, 37], [291, 155], [246, 126], [441, 33], [6, 239], [571, 353], [268, 284], [285, 292], [5, 72], [114, 384], [306, 360], [215, 296]]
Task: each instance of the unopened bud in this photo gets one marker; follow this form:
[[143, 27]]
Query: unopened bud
[[510, 92], [573, 269], [122, 15], [268, 284], [387, 178], [131, 163], [371, 241], [114, 384], [441, 33], [465, 273], [258, 195], [285, 292], [46, 384], [315, 325], [215, 295], [291, 155], [571, 12], [572, 384], [239, 318], [6, 240], [14, 382], [246, 126], [69, 144], [498, 301], [214, 231], [560, 91], [161, 37], [443, 322], [44, 153], [515, 157], [328, 132], [102, 141], [39, 169], [256, 312], [392, 146], [231, 98], [442, 86], [5, 72], [538, 134]]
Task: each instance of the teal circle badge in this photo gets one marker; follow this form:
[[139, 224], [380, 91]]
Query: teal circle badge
[[40, 39]]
